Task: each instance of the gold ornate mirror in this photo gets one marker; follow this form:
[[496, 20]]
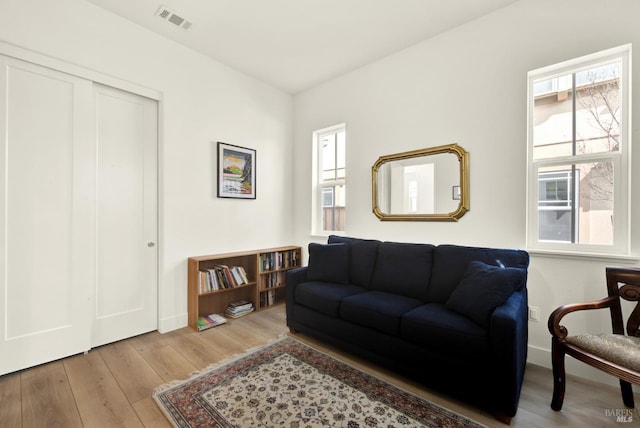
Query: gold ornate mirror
[[422, 185]]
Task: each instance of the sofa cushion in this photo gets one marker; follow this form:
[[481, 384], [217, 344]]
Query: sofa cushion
[[450, 263], [433, 326], [328, 262], [403, 269], [362, 258], [482, 289], [378, 310], [324, 297]]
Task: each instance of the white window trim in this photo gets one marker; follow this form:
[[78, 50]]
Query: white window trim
[[316, 187], [621, 248]]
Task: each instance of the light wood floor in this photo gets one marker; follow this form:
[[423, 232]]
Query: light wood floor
[[111, 386]]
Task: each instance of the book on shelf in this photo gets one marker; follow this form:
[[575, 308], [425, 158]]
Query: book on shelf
[[269, 298], [239, 308], [271, 279], [214, 281], [221, 277], [239, 275], [224, 274], [212, 320], [278, 260], [207, 281]]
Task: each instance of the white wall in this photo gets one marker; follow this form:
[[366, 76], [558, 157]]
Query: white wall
[[469, 86], [203, 102], [466, 86]]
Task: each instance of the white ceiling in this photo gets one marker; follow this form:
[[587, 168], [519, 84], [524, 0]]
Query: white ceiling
[[297, 44]]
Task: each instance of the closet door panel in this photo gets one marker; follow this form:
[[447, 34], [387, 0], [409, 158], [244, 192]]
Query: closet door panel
[[45, 214], [126, 269]]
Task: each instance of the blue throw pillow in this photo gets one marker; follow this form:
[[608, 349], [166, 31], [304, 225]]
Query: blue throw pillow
[[482, 289], [328, 263]]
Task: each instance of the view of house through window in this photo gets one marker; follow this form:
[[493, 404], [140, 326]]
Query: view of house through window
[[578, 153], [331, 167]]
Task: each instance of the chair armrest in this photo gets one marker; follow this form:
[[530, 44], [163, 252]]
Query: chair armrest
[[560, 331]]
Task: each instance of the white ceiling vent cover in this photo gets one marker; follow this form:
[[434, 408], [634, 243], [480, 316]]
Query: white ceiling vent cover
[[172, 17]]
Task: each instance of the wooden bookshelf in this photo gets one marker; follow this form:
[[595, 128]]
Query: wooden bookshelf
[[265, 271]]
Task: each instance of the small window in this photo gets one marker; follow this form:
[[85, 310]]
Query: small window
[[329, 203], [328, 200], [578, 151]]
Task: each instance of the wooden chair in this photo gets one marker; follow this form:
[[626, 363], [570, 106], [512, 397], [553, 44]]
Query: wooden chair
[[617, 354]]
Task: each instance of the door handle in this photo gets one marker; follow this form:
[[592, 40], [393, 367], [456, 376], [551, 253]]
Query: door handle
[[151, 244]]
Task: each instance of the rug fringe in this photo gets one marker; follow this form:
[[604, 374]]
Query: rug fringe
[[213, 366]]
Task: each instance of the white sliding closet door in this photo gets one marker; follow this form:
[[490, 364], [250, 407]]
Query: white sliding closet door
[[78, 215], [46, 210], [126, 263]]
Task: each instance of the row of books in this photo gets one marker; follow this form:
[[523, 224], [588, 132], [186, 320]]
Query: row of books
[[221, 277], [208, 321], [239, 308], [278, 260], [273, 279], [269, 297]]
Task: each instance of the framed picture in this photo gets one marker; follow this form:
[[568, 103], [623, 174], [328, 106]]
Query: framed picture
[[236, 172], [455, 191]]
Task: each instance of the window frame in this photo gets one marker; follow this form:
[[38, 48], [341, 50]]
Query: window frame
[[319, 185], [621, 160]]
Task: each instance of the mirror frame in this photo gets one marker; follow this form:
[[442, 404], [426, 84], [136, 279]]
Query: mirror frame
[[463, 206]]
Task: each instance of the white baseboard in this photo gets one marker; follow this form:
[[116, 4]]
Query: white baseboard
[[166, 325], [542, 357], [539, 356]]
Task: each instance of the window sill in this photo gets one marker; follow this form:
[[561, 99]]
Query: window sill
[[600, 257], [325, 235]]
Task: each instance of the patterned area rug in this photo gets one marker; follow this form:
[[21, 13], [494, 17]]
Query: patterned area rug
[[289, 384]]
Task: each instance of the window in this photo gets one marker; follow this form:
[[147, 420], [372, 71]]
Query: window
[[329, 201], [578, 155], [554, 206]]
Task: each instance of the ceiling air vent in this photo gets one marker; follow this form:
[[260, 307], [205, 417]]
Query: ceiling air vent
[[173, 18]]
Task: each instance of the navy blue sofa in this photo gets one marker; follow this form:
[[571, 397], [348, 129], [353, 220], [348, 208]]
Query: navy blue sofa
[[451, 317]]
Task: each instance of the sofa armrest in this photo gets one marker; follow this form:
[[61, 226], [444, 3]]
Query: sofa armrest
[[509, 330], [292, 279]]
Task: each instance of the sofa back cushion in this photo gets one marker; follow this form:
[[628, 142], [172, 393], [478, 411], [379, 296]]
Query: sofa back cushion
[[362, 258], [403, 269], [483, 288], [450, 263], [328, 263]]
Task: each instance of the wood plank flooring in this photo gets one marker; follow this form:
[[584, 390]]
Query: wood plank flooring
[[111, 386]]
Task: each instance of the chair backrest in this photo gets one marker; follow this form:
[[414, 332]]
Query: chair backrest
[[624, 283]]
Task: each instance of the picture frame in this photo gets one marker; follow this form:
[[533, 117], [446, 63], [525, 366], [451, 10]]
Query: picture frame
[[455, 193], [236, 171]]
